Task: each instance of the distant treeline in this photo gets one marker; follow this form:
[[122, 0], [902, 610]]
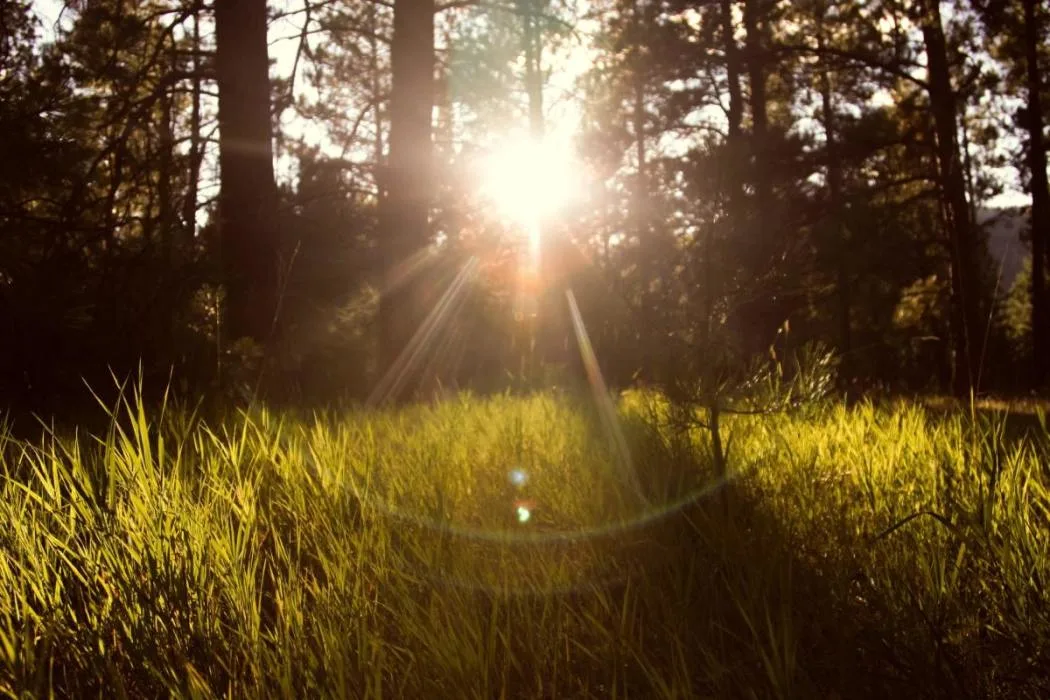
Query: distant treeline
[[763, 175]]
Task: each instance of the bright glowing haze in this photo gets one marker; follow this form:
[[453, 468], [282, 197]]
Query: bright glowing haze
[[529, 182]]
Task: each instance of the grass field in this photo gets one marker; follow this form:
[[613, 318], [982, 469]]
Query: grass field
[[500, 548]]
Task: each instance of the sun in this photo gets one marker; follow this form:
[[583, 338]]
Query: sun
[[529, 181]]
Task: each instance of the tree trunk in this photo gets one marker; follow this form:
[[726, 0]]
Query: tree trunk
[[248, 192], [1040, 197], [962, 240], [196, 147], [166, 311], [971, 189], [404, 215], [553, 344], [833, 166], [166, 210], [758, 313], [641, 186], [532, 42], [377, 110], [732, 58], [756, 69], [639, 215], [736, 212]]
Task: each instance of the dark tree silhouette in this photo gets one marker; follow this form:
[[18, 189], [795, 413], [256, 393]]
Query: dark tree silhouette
[[1040, 191], [749, 162], [407, 185], [248, 194], [963, 247]]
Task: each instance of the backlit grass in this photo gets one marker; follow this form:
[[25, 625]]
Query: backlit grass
[[866, 552]]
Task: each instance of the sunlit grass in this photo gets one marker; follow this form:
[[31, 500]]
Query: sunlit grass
[[868, 552]]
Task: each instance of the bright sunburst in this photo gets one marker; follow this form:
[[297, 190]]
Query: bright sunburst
[[530, 181]]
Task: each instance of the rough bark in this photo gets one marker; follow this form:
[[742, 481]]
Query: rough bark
[[248, 192]]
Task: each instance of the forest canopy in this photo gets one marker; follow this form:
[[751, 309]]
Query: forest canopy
[[375, 200]]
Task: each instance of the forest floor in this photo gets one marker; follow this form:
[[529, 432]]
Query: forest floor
[[501, 548]]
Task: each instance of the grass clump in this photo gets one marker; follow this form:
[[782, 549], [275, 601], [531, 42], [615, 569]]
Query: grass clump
[[869, 551]]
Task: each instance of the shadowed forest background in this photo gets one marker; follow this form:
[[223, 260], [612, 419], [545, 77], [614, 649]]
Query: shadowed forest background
[[525, 348], [747, 174]]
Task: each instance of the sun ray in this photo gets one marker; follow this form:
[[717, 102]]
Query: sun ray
[[408, 268], [606, 410], [391, 382]]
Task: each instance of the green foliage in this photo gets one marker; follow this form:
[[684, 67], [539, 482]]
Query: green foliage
[[1017, 307], [873, 552]]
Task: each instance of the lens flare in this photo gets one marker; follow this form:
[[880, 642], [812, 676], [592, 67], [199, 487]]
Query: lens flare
[[606, 409], [530, 181], [523, 509], [391, 382]]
